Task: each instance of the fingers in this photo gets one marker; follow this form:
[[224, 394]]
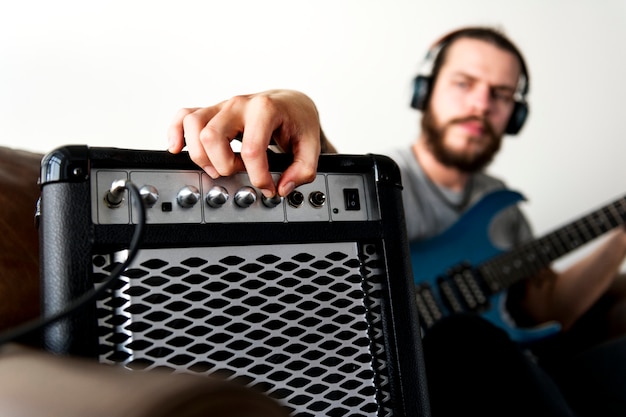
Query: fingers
[[306, 152], [290, 117], [207, 133], [175, 133], [213, 131], [261, 120]]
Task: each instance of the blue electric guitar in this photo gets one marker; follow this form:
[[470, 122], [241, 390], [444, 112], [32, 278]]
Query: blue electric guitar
[[461, 271]]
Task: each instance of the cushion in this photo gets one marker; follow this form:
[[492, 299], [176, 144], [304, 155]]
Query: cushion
[[37, 384], [19, 247]]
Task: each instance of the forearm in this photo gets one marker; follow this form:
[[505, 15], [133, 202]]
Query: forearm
[[574, 290]]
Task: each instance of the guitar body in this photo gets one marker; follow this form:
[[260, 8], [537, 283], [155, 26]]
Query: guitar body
[[451, 257]]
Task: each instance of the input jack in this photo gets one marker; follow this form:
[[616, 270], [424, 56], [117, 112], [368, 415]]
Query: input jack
[[295, 199], [317, 199]]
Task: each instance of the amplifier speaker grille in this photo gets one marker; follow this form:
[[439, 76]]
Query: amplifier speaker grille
[[301, 324]]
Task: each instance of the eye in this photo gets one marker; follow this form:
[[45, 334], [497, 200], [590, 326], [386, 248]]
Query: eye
[[503, 96], [463, 84]]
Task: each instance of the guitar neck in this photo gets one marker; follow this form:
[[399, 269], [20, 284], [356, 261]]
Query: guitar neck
[[528, 259]]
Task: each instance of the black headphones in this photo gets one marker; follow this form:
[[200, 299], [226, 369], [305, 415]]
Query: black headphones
[[423, 82]]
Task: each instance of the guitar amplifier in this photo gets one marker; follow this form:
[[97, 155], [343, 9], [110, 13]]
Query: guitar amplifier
[[307, 298]]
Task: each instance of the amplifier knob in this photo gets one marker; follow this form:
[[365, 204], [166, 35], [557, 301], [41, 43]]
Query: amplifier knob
[[188, 196], [245, 197], [149, 195], [272, 201], [217, 196]]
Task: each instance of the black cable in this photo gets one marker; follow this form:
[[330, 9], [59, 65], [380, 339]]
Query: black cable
[[41, 322]]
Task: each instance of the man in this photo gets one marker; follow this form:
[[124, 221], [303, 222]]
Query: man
[[478, 77]]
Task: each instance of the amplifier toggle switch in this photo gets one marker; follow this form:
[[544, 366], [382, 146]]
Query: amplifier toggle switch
[[149, 195], [245, 197], [217, 196], [188, 196]]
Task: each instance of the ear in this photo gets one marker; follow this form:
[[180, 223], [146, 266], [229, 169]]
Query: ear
[[518, 117], [421, 92]]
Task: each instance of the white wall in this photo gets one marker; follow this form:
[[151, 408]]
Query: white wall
[[114, 73]]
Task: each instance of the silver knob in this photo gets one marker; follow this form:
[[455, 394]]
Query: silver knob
[[271, 202], [149, 195], [188, 196], [217, 196], [245, 197]]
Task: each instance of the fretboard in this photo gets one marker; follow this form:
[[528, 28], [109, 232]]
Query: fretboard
[[528, 259]]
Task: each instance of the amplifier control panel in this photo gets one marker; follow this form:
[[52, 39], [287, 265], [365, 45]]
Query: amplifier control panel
[[182, 196]]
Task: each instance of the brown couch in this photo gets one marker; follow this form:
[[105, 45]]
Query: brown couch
[[19, 248]]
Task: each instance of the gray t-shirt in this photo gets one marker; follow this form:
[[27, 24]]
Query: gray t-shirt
[[430, 209]]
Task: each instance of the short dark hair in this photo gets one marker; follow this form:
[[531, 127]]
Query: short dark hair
[[486, 34]]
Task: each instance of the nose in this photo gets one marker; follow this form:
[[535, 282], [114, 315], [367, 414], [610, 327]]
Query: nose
[[480, 100]]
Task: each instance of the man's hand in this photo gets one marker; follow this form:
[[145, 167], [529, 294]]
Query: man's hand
[[287, 116]]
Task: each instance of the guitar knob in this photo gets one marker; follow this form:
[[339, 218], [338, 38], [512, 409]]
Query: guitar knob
[[149, 195], [217, 196], [188, 196], [245, 197]]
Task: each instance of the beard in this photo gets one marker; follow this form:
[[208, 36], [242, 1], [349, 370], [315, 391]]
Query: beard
[[465, 162]]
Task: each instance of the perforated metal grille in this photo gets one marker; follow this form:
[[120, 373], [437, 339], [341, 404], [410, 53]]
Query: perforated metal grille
[[301, 323]]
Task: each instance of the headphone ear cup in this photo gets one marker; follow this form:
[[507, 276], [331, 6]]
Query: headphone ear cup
[[421, 92], [518, 117]]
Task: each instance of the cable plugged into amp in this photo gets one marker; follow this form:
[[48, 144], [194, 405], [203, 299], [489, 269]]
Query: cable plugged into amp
[[115, 195]]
